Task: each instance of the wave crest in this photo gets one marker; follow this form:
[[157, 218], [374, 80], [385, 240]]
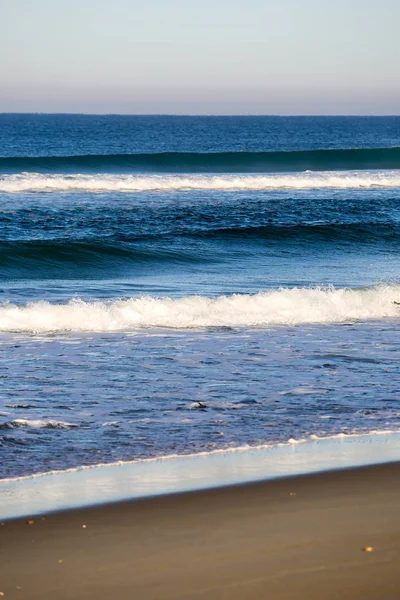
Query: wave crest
[[36, 182], [211, 162], [277, 307]]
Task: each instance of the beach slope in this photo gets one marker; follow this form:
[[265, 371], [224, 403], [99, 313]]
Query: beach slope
[[321, 536]]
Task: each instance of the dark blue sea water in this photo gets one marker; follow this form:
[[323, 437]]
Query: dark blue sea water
[[173, 285]]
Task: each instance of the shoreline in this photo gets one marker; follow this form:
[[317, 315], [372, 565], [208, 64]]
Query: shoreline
[[323, 535], [105, 484]]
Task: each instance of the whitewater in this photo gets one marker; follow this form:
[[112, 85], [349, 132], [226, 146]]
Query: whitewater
[[107, 182], [277, 307]]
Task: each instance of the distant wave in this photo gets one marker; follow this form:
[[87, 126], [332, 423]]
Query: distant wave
[[36, 182], [77, 252], [359, 232], [278, 307], [212, 162], [59, 258]]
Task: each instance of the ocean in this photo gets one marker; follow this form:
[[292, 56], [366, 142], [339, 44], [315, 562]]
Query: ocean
[[181, 285]]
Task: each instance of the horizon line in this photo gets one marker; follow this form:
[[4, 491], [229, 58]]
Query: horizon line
[[214, 115]]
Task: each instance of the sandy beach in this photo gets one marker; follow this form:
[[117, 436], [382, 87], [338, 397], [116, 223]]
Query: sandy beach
[[301, 537]]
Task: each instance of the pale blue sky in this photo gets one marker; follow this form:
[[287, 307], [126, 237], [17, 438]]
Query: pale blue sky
[[200, 57]]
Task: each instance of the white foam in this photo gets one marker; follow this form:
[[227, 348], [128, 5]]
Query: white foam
[[37, 424], [36, 182], [277, 307]]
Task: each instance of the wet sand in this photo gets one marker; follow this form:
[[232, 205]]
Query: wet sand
[[298, 538]]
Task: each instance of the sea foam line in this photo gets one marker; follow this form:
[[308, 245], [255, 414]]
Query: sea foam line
[[36, 182], [285, 306], [237, 449]]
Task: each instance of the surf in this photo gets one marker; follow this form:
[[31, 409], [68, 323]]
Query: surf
[[123, 183], [284, 306]]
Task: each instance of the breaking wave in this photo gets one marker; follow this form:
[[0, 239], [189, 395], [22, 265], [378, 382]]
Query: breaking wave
[[36, 182], [277, 307]]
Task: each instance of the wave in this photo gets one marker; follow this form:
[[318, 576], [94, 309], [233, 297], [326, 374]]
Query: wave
[[277, 307], [360, 232], [149, 249], [86, 252], [212, 162], [36, 182], [55, 259]]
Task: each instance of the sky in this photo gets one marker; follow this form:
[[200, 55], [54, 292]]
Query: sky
[[200, 57]]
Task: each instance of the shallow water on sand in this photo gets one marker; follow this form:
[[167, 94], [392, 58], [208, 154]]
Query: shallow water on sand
[[80, 399]]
